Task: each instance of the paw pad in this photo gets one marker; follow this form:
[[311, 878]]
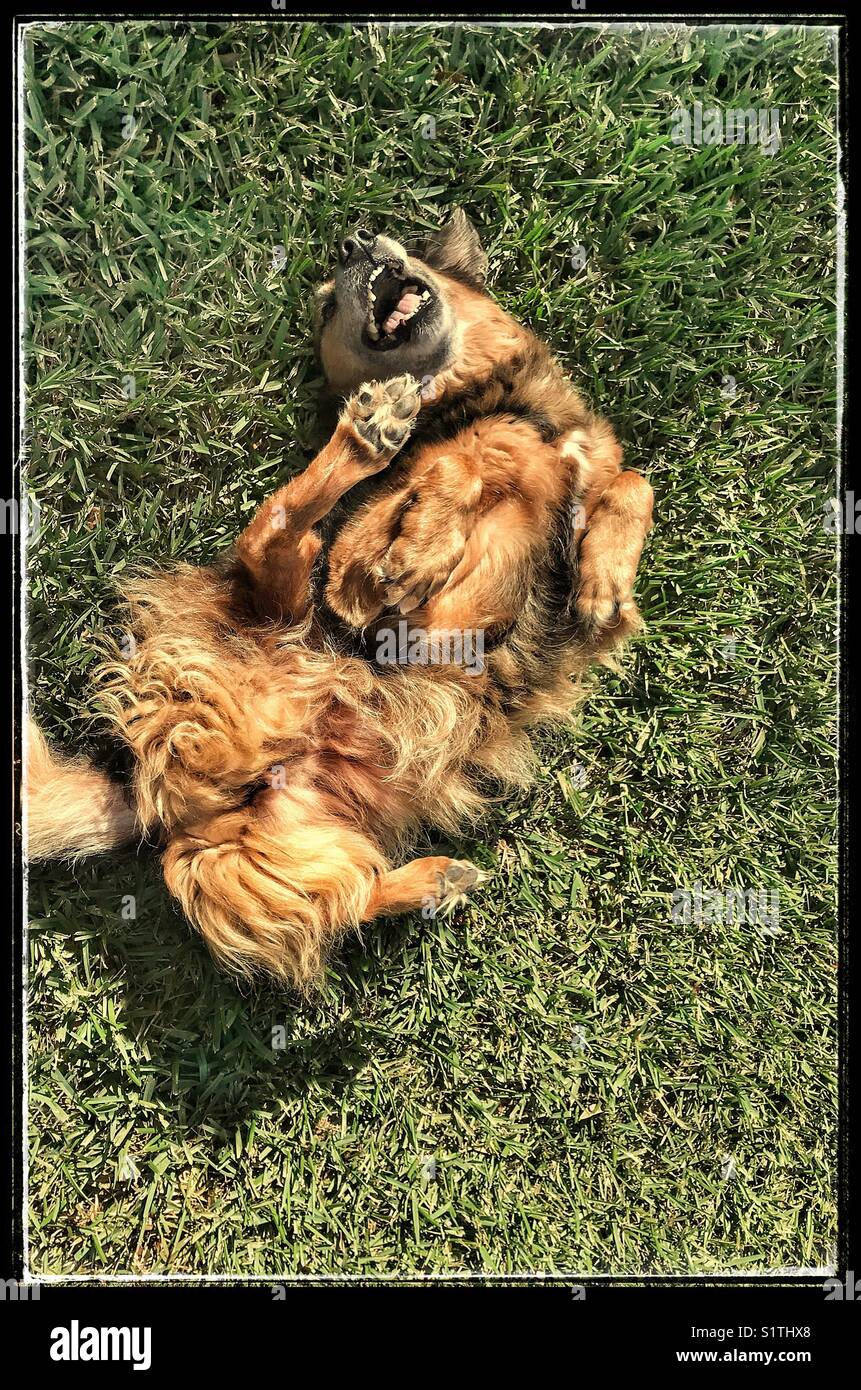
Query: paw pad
[[382, 413]]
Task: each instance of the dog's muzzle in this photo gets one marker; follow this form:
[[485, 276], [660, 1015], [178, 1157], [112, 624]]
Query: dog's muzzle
[[396, 298]]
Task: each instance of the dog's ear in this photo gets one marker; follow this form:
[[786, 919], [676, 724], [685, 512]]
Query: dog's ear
[[456, 250]]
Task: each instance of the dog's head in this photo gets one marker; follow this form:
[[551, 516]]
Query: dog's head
[[386, 312]]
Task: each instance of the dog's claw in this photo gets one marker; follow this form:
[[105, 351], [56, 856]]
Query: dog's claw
[[600, 608], [456, 883]]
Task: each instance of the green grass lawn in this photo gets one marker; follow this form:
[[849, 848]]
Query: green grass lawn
[[561, 1077]]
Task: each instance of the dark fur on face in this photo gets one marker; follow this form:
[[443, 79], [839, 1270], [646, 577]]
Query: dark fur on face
[[371, 275]]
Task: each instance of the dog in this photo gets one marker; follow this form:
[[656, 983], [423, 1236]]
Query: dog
[[282, 765]]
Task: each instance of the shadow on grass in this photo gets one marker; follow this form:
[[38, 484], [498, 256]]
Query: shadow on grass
[[210, 1049]]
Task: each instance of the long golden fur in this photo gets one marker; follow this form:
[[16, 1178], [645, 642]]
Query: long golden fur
[[283, 769]]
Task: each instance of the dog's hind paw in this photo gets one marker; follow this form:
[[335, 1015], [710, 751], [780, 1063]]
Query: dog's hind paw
[[456, 882], [382, 414]]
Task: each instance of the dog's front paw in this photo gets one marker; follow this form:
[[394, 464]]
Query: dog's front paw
[[382, 413], [418, 564]]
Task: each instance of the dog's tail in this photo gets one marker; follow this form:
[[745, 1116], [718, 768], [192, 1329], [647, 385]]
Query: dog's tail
[[70, 808]]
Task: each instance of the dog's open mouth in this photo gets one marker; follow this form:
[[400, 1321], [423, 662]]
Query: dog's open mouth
[[396, 304]]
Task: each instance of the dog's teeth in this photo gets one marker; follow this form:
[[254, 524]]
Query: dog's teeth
[[426, 294], [372, 297]]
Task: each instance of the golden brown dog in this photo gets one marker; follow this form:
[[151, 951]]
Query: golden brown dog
[[282, 763]]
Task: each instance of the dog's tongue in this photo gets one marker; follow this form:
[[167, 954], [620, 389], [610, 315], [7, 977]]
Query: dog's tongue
[[407, 304]]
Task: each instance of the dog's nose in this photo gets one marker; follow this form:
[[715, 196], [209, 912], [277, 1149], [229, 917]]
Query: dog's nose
[[358, 242]]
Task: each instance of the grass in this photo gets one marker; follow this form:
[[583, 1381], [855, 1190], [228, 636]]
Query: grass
[[560, 1077]]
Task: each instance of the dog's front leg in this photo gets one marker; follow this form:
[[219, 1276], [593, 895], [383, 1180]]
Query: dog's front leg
[[612, 520], [610, 551], [277, 550]]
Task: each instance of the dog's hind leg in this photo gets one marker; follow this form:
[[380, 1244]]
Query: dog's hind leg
[[273, 886], [435, 884], [277, 550]]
